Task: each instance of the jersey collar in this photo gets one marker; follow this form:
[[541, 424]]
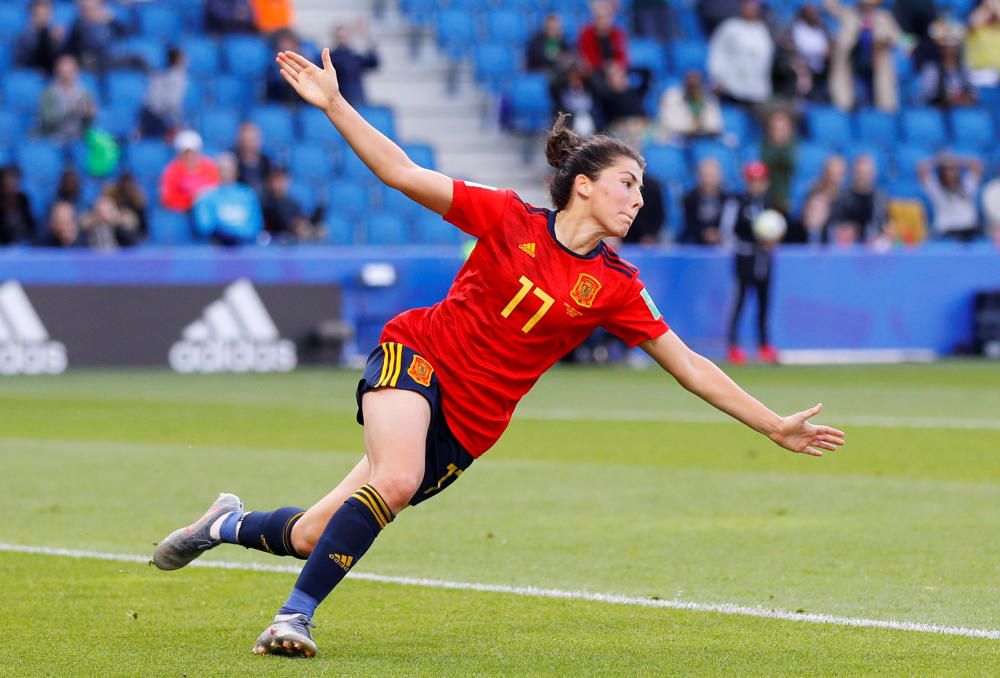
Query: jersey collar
[[552, 233]]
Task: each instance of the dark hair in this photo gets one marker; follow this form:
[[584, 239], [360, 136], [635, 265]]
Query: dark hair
[[573, 155], [174, 56]]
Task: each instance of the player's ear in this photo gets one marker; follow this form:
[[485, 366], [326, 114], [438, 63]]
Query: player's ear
[[583, 185]]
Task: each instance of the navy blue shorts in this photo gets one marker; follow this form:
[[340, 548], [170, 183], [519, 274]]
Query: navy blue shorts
[[393, 365]]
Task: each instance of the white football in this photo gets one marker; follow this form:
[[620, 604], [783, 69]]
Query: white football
[[769, 226]]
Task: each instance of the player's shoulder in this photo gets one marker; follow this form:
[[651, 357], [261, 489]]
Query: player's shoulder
[[613, 262]]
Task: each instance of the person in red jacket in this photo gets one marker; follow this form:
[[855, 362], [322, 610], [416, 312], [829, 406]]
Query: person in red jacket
[[188, 174], [442, 385], [601, 42]]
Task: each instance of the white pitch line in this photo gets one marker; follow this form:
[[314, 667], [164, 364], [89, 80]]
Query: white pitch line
[[708, 417], [535, 592]]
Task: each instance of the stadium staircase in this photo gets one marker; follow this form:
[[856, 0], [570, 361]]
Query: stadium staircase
[[434, 102]]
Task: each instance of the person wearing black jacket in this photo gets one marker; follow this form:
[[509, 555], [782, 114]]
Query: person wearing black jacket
[[703, 206], [753, 260], [648, 223]]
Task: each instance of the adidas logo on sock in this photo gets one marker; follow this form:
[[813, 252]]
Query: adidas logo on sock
[[344, 561]]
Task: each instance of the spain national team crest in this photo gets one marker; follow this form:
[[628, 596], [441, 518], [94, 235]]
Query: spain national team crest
[[585, 290], [420, 371]]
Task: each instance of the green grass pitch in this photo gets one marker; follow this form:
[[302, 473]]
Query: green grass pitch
[[608, 481]]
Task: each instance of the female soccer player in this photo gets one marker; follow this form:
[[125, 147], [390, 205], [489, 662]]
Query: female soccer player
[[441, 387]]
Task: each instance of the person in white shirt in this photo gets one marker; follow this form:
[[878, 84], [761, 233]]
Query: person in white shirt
[[740, 54], [952, 193]]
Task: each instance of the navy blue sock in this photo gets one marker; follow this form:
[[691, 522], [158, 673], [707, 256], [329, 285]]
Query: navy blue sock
[[348, 535], [269, 531]]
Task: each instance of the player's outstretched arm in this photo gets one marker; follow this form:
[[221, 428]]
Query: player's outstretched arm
[[319, 87], [704, 378]]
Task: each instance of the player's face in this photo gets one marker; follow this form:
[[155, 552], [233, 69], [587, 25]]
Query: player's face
[[617, 196]]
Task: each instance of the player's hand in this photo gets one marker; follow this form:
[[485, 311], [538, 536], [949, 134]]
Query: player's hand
[[796, 434], [317, 86]]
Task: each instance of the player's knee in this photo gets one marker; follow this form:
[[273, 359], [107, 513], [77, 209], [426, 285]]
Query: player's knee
[[398, 487], [305, 534]]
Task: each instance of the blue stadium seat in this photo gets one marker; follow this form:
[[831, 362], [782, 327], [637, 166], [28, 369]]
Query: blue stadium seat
[[219, 127], [493, 65], [421, 154], [456, 32], [431, 229], [307, 196], [147, 158], [6, 56], [738, 122], [923, 127], [340, 231], [381, 118], [63, 14], [647, 53], [125, 88], [419, 12], [276, 125], [158, 21], [667, 163], [167, 227], [809, 159], [150, 50], [829, 126], [395, 203], [530, 103], [40, 161], [507, 27], [11, 128], [347, 199], [316, 128], [353, 169], [907, 158], [194, 100], [725, 155], [202, 54], [117, 119], [876, 127], [230, 91], [311, 164], [246, 56], [13, 19], [687, 55], [972, 127], [22, 91], [386, 230]]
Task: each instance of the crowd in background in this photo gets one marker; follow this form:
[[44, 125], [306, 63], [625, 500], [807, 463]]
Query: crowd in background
[[770, 71]]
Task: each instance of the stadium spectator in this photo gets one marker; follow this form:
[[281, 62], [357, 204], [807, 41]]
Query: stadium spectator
[[944, 80], [253, 164], [273, 15], [862, 63], [983, 43], [188, 174], [820, 201], [915, 18], [129, 198], [740, 56], [105, 227], [703, 206], [66, 107], [573, 93], [859, 215], [951, 184], [93, 34], [284, 218], [548, 50], [275, 87], [811, 38], [230, 213], [229, 16], [753, 262], [64, 229], [601, 42], [689, 110], [654, 19], [39, 43], [17, 223], [713, 13], [622, 101], [778, 153], [648, 223], [351, 64], [70, 188], [163, 108], [791, 79]]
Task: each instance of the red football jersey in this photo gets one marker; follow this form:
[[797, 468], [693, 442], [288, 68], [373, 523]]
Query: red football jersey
[[520, 303]]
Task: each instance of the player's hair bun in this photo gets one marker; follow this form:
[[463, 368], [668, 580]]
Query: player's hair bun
[[562, 143]]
